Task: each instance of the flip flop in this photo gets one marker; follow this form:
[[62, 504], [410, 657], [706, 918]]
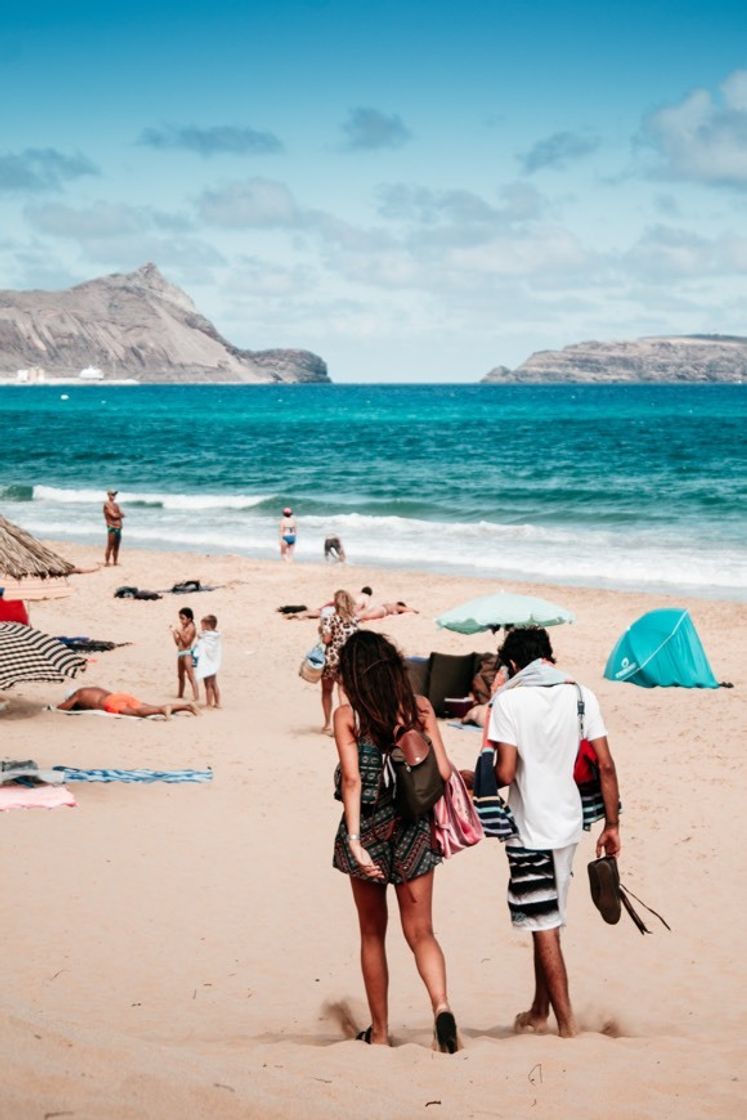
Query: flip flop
[[365, 1036], [604, 881], [446, 1033]]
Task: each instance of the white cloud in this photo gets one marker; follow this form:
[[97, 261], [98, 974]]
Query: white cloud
[[703, 138], [666, 253], [211, 141], [458, 207], [102, 219], [558, 150], [370, 129], [41, 169], [255, 203], [547, 249]]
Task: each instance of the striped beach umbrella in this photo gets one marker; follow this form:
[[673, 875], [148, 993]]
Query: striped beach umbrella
[[28, 655]]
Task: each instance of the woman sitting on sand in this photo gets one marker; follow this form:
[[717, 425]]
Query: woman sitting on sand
[[385, 609], [335, 627], [374, 845]]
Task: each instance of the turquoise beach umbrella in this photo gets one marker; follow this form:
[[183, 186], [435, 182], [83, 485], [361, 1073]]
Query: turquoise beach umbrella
[[489, 612], [661, 648]]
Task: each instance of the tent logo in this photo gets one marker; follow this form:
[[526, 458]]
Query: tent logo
[[626, 667]]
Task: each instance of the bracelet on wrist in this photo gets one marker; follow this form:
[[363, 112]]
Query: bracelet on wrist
[[354, 836]]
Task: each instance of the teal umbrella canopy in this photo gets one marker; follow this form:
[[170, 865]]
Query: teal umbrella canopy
[[503, 609]]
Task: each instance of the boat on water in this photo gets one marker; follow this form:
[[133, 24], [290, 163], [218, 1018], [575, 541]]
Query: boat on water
[[91, 375]]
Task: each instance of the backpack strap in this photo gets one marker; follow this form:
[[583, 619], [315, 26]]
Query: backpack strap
[[581, 710]]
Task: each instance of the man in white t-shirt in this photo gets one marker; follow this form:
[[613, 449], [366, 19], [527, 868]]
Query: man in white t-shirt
[[535, 729]]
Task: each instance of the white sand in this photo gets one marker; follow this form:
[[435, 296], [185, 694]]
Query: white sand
[[188, 951]]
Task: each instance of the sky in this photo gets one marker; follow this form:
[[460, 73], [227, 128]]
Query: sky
[[415, 191]]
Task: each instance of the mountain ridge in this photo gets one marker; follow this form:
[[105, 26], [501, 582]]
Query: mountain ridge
[[652, 358], [135, 324]]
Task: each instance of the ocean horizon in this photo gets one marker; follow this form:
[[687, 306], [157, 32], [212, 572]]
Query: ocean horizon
[[621, 486]]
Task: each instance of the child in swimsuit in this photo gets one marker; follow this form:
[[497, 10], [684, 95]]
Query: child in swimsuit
[[185, 635]]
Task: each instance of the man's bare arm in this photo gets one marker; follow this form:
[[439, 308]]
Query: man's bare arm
[[609, 839], [505, 766]]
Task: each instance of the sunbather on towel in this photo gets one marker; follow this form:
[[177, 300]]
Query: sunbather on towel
[[119, 704], [384, 609]]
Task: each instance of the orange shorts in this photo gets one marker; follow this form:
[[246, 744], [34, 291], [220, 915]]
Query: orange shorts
[[117, 701]]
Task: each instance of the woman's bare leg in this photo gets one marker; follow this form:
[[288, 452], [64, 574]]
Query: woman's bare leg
[[415, 909], [370, 902], [328, 685]]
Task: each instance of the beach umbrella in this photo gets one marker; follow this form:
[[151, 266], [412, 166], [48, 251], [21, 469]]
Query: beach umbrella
[[28, 655], [22, 555], [503, 608]]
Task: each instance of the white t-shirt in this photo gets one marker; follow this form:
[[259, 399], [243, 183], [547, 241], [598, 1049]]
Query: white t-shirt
[[542, 723]]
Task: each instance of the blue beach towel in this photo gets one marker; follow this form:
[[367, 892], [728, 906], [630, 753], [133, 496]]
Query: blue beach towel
[[73, 774]]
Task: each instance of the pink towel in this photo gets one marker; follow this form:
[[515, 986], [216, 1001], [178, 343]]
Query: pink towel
[[34, 797]]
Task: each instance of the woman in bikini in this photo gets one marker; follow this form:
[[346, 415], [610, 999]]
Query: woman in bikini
[[374, 845], [185, 636], [287, 534]]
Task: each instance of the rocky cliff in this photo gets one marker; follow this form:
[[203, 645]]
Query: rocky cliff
[[686, 358], [137, 325]]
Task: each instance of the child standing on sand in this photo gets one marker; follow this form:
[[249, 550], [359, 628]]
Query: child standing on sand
[[184, 639], [209, 650]]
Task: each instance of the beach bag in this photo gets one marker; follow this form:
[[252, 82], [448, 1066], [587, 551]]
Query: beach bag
[[496, 818], [186, 587], [586, 771], [312, 666], [419, 784], [125, 593], [457, 825]]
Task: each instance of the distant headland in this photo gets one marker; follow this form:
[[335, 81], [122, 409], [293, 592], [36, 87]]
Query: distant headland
[[672, 358], [134, 326]]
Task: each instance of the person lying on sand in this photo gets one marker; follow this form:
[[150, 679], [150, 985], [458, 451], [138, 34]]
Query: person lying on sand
[[488, 678], [120, 704], [385, 609]]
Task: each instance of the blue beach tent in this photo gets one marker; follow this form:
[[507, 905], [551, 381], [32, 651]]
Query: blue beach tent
[[661, 648]]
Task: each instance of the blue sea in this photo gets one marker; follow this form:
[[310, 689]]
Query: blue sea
[[620, 486]]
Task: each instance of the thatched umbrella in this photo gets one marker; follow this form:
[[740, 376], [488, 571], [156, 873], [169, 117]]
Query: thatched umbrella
[[22, 555]]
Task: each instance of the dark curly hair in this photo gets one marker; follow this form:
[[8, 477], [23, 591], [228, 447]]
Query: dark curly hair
[[374, 677], [524, 645]]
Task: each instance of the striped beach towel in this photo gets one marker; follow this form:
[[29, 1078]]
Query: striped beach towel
[[495, 816], [73, 774]]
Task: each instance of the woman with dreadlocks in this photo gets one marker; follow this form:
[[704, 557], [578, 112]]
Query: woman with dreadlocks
[[374, 845]]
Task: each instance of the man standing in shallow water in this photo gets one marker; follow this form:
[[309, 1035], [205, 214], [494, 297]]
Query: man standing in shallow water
[[113, 517]]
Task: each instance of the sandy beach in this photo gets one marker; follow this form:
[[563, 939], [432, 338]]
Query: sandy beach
[[188, 951]]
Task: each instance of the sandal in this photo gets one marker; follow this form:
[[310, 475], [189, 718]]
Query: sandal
[[446, 1033], [364, 1036], [604, 881]]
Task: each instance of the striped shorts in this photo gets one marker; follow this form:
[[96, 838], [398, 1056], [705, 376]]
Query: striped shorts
[[538, 883]]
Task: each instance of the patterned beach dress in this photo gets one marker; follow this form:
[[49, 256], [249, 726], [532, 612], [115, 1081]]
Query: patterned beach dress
[[340, 631], [403, 850]]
